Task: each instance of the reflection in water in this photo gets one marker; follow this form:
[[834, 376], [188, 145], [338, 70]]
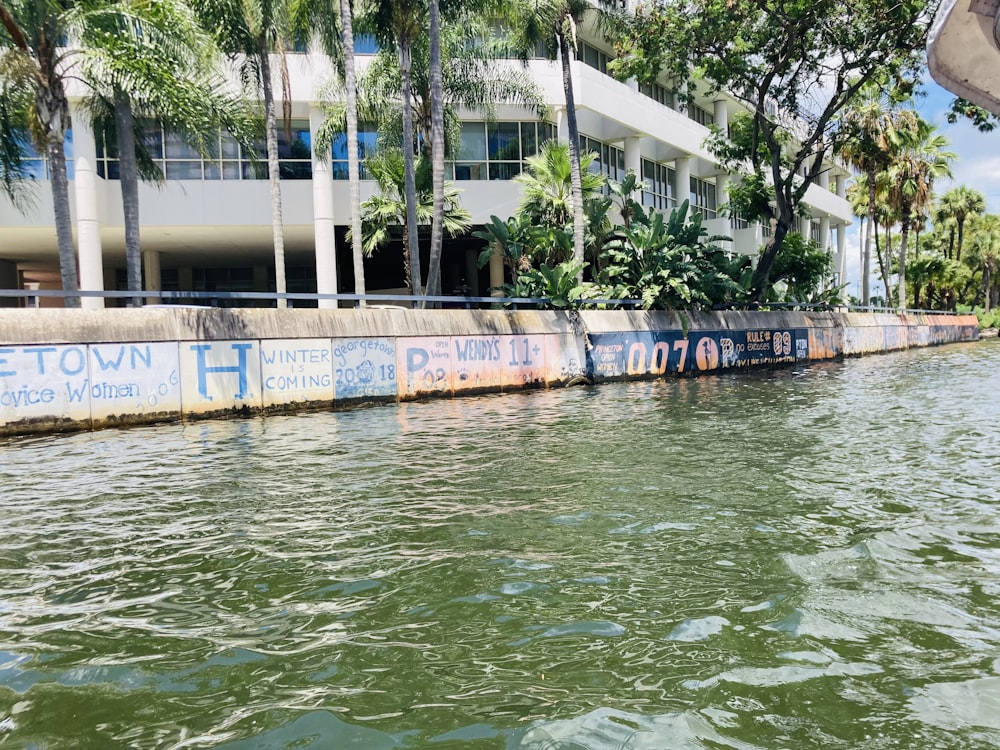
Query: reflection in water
[[807, 557]]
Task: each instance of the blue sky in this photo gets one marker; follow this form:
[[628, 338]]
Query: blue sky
[[977, 165]]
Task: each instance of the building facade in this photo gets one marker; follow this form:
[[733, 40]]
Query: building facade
[[208, 226]]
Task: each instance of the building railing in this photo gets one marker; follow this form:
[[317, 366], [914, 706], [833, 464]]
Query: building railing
[[401, 301], [406, 301]]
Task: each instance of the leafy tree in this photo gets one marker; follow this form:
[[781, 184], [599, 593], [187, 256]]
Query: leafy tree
[[801, 270], [919, 160], [958, 204], [795, 64], [982, 119]]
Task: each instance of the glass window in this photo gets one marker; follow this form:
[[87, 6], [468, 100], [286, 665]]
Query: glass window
[[503, 141], [703, 197], [473, 146], [183, 170]]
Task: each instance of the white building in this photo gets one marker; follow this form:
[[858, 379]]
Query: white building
[[208, 227]]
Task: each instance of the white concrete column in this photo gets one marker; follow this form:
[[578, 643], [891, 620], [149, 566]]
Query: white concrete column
[[562, 125], [324, 234], [805, 228], [824, 233], [88, 222], [841, 185], [721, 191], [840, 261], [496, 274], [721, 115], [633, 156], [682, 178], [823, 180], [151, 270]]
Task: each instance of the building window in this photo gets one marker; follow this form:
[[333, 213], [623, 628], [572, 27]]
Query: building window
[[594, 57], [35, 165], [179, 161], [703, 197], [738, 222], [658, 93], [660, 180], [367, 145], [701, 115], [497, 150], [610, 160]]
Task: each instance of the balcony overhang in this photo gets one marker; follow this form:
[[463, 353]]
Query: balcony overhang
[[962, 51]]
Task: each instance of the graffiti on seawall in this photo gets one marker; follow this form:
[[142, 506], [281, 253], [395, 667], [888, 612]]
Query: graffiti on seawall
[[645, 353]]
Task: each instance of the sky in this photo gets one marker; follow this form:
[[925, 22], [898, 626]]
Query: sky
[[977, 166]]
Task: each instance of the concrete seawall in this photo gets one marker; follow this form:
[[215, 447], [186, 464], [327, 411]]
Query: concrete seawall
[[79, 369]]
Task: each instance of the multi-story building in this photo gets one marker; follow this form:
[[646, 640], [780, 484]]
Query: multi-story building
[[208, 226]]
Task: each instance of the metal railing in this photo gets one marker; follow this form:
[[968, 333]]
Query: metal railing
[[406, 301], [379, 300]]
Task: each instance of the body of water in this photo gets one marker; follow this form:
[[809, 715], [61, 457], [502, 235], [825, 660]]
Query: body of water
[[797, 558]]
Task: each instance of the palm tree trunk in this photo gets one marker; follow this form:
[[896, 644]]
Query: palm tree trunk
[[273, 173], [353, 160], [904, 235], [128, 177], [64, 222], [574, 148], [866, 255], [958, 247], [886, 265], [437, 150], [409, 176]]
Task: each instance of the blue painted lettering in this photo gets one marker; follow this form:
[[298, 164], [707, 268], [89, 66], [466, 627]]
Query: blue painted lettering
[[26, 396], [416, 359], [81, 361], [478, 350], [3, 361], [114, 364], [140, 355], [76, 395], [204, 370], [40, 351]]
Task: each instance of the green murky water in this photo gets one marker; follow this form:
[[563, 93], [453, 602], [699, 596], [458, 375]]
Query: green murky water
[[803, 558]]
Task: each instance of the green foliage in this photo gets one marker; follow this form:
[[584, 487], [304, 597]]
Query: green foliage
[[962, 109], [989, 319], [559, 285], [799, 273], [670, 263], [794, 64], [383, 216]]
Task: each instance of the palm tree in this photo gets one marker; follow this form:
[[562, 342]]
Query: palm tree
[[34, 58], [554, 23], [398, 23], [250, 31], [875, 120], [548, 185], [471, 80], [984, 254], [918, 161], [960, 203], [385, 214], [169, 75]]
